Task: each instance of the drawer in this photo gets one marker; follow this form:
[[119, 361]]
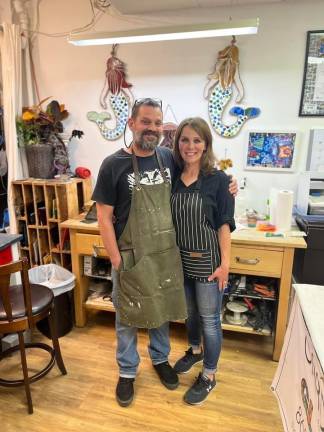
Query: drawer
[[256, 261], [90, 244]]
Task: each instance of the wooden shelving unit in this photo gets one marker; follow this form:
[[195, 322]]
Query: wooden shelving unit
[[102, 304], [40, 206]]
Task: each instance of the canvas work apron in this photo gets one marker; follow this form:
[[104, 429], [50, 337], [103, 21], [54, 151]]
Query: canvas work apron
[[150, 290]]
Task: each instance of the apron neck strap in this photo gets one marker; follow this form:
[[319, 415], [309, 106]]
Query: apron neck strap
[[136, 170], [198, 184], [161, 166]]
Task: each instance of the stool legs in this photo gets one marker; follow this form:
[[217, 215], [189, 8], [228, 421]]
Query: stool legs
[[25, 371], [55, 341]]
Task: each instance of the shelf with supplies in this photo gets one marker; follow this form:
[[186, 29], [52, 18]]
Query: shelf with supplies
[[98, 270], [40, 206], [258, 318], [252, 254], [250, 304]]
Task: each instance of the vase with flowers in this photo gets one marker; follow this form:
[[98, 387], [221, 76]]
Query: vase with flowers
[[39, 131]]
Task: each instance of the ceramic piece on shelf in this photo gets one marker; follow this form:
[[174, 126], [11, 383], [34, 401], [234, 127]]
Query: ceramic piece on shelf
[[237, 310], [231, 320]]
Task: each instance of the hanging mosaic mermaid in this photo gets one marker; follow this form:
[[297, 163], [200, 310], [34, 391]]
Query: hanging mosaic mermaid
[[219, 91], [116, 91]]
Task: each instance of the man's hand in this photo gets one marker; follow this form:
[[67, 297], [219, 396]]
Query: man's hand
[[233, 186], [116, 262]]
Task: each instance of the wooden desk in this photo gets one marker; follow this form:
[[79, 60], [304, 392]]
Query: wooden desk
[[251, 254]]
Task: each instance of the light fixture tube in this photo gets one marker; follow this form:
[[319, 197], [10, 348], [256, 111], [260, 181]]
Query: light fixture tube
[[154, 34]]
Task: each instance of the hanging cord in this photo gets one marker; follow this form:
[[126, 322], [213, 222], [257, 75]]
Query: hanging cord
[[240, 94], [169, 108], [103, 7], [34, 73], [3, 144], [96, 16], [124, 136], [2, 147]]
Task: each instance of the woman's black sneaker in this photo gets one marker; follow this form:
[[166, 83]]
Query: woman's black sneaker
[[167, 375], [125, 391], [186, 362], [199, 391]]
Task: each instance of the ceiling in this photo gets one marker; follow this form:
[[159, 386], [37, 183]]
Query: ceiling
[[146, 6]]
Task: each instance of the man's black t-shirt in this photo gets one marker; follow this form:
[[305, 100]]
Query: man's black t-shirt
[[116, 180]]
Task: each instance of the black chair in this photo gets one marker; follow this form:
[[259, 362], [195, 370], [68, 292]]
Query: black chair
[[21, 307]]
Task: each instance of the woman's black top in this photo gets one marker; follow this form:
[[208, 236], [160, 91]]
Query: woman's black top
[[198, 211]]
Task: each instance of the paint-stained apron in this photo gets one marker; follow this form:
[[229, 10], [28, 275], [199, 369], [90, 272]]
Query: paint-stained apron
[[150, 290]]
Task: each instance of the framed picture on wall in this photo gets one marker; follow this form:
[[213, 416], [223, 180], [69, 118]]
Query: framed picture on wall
[[312, 97], [270, 151]]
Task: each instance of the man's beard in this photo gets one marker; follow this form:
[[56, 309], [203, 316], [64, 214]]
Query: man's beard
[[144, 144]]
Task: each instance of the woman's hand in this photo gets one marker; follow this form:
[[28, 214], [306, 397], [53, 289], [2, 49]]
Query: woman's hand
[[221, 273]]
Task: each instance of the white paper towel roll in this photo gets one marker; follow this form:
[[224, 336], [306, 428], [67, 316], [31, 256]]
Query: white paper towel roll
[[273, 205], [284, 206]]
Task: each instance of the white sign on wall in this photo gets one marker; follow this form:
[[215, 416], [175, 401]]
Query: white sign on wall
[[315, 156]]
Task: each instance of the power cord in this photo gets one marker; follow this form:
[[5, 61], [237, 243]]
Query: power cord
[[101, 5]]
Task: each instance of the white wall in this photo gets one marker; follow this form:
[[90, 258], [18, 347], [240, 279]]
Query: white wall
[[272, 64], [5, 11]]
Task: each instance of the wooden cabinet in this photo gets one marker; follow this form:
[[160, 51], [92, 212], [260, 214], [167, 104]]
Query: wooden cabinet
[[89, 244], [40, 206], [256, 260], [251, 254]]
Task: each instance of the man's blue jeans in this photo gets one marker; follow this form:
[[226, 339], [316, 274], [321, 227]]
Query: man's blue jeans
[[127, 355], [204, 302]]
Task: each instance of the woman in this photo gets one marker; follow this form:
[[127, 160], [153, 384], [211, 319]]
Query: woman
[[202, 210]]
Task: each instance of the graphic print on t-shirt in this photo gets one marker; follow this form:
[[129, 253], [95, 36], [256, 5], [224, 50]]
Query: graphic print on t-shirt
[[149, 177]]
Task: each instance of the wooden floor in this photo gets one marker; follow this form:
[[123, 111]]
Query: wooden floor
[[84, 400]]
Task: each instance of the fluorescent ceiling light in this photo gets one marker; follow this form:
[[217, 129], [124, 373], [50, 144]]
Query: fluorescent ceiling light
[[154, 34]]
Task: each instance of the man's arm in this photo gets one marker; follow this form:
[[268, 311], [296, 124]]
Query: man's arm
[[233, 187], [105, 217]]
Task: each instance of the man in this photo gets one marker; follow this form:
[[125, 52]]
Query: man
[[134, 216]]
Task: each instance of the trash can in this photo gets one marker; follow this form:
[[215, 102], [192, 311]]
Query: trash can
[[61, 281]]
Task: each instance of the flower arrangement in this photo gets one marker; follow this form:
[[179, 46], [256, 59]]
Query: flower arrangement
[[43, 128], [36, 125]]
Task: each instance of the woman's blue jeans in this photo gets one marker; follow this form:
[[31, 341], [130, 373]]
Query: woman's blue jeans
[[204, 302]]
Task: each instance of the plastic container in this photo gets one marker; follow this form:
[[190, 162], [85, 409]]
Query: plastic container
[[6, 255], [61, 281]]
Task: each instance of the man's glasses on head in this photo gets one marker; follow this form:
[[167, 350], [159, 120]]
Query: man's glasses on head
[[148, 101]]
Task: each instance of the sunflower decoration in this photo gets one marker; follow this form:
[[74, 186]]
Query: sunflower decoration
[[223, 164]]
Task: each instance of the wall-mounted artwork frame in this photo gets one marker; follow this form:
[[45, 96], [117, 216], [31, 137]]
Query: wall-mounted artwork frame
[[315, 154], [312, 97], [271, 151]]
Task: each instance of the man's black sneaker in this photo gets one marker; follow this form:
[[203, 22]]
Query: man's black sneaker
[[199, 391], [186, 362], [125, 391], [167, 375]]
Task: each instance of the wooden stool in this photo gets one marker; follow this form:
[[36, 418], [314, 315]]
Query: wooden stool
[[21, 307]]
